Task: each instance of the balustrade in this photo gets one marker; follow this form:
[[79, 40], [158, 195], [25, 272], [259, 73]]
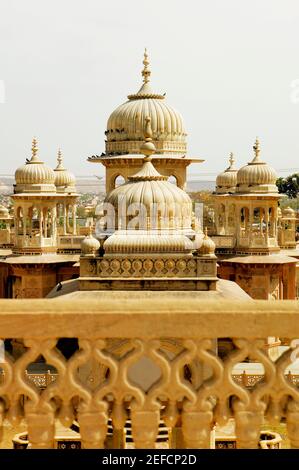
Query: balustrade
[[148, 361]]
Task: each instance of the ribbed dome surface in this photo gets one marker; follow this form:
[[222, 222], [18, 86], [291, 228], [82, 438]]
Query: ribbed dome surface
[[63, 177], [128, 120], [227, 180], [34, 171], [148, 187], [144, 242], [4, 212], [89, 245], [126, 123], [257, 175], [288, 212]]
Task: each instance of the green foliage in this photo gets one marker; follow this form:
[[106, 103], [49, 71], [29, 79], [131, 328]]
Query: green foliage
[[289, 185]]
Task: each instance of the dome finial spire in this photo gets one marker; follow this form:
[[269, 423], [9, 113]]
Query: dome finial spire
[[34, 149], [59, 158], [231, 160], [148, 148], [256, 149], [146, 71]]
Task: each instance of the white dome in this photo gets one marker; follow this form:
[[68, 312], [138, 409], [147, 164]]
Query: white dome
[[34, 172], [126, 123], [149, 188], [227, 180], [143, 242], [207, 248], [288, 213], [63, 177], [4, 212], [90, 245], [257, 176]]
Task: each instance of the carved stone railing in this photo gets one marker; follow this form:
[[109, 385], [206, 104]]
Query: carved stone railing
[[146, 361]]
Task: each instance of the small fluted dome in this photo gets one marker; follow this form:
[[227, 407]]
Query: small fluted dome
[[34, 172], [279, 212], [227, 180], [4, 212], [90, 245], [257, 176], [132, 242], [207, 247], [126, 123], [63, 178], [288, 213]]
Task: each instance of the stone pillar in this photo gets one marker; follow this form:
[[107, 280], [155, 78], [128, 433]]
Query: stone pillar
[[54, 223], [41, 223], [74, 210], [30, 213], [67, 218], [267, 224], [64, 219], [274, 218], [25, 214], [226, 219], [45, 222], [261, 221]]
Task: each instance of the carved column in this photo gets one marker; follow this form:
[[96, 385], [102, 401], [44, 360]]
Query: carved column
[[45, 222], [74, 210], [145, 427], [53, 223], [248, 426], [41, 430], [41, 223], [64, 219], [197, 427]]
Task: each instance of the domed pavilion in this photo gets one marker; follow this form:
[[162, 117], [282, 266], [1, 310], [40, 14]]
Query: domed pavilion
[[124, 136], [41, 197], [249, 232]]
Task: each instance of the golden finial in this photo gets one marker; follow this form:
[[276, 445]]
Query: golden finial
[[256, 148], [148, 133], [148, 148], [206, 231], [59, 160], [231, 159], [146, 71], [34, 149], [59, 157]]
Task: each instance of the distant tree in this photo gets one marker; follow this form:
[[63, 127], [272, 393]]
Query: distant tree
[[289, 185]]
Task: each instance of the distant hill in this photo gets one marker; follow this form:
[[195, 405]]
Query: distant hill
[[94, 186], [197, 185]]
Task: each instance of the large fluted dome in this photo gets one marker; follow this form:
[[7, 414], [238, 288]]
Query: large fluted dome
[[257, 176], [35, 173], [148, 196], [149, 189], [125, 125], [227, 180]]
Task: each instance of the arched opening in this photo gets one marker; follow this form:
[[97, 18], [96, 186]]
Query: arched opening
[[173, 179], [119, 180], [259, 221], [244, 221], [231, 218], [220, 219]]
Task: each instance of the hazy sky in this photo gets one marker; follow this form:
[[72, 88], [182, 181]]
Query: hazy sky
[[229, 66]]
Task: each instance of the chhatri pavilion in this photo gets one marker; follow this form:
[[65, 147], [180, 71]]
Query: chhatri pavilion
[[44, 203], [249, 231]]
